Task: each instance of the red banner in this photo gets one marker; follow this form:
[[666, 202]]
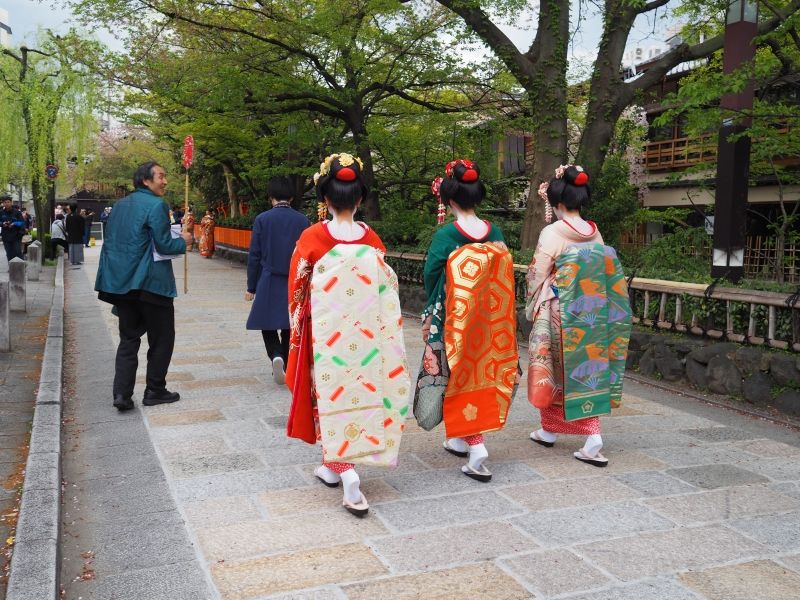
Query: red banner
[[188, 151]]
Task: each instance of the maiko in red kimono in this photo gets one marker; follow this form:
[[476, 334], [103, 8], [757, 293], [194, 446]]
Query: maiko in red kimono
[[314, 243]]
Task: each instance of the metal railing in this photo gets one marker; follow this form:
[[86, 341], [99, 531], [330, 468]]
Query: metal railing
[[732, 314]]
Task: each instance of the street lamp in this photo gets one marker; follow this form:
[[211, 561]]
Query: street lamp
[[733, 155]]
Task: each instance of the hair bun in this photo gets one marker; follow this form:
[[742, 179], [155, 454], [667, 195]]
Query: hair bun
[[346, 174], [469, 175]]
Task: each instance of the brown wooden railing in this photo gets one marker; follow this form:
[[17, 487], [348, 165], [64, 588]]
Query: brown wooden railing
[[734, 314], [679, 153]]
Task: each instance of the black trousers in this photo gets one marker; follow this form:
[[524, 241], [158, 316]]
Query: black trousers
[[135, 319], [58, 242], [13, 248], [274, 345]]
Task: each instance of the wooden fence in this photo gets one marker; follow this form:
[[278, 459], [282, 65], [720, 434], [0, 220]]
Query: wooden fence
[[733, 314], [760, 257]]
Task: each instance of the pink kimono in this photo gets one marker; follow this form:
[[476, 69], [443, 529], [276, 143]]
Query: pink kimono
[[545, 369]]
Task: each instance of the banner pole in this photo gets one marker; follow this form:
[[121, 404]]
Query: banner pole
[[186, 254]]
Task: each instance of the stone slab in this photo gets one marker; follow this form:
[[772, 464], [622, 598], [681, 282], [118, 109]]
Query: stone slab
[[720, 434], [757, 580], [428, 550], [716, 475], [184, 418], [547, 495], [573, 525], [555, 572], [34, 571], [781, 532], [209, 465], [275, 536], [232, 484], [177, 581], [693, 455], [665, 552], [318, 497], [408, 515], [474, 581], [723, 504], [770, 449], [655, 483], [657, 589], [222, 511], [296, 571], [39, 515], [777, 469], [193, 448], [561, 464], [430, 483], [793, 562]]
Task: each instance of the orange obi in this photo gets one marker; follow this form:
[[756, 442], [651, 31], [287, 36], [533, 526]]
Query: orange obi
[[480, 339]]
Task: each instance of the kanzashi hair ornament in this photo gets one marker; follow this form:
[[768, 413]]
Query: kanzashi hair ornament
[[548, 210], [441, 211], [322, 211]]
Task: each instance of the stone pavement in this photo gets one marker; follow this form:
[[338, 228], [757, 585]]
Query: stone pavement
[[19, 378], [698, 502]]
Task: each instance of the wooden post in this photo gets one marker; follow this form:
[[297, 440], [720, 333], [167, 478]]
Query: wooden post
[[186, 254]]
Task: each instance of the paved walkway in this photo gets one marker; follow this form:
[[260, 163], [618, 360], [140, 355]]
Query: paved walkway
[[19, 378], [698, 502]]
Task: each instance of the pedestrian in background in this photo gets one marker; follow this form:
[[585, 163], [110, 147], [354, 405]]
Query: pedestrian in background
[[75, 225], [275, 234], [142, 289], [13, 228], [58, 235]]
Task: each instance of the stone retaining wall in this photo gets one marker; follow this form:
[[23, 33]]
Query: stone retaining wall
[[762, 377]]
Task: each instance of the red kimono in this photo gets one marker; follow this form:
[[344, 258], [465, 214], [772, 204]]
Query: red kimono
[[314, 243]]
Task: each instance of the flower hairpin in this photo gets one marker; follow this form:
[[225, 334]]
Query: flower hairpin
[[441, 211]]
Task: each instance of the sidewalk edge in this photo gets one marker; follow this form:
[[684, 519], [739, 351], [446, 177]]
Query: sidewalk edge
[[35, 563]]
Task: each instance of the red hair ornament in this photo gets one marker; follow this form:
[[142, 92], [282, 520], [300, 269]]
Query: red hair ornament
[[441, 209], [581, 179], [469, 176], [346, 174]]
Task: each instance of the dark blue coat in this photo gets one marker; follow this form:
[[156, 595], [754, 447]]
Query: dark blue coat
[[275, 234], [137, 224]]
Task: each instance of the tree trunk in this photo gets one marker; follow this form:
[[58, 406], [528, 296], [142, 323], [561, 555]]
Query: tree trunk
[[232, 197], [780, 252], [358, 127], [548, 97]]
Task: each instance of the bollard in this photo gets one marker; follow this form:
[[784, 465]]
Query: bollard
[[5, 320], [16, 284], [34, 261]]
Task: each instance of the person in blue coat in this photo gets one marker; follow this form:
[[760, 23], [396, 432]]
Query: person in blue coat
[[275, 233], [140, 287]]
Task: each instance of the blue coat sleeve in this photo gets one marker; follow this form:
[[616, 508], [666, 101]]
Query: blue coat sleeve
[[158, 222], [254, 258]]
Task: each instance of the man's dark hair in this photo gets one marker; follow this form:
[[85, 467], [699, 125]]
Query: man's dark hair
[[4, 197], [73, 208], [145, 171], [280, 188]]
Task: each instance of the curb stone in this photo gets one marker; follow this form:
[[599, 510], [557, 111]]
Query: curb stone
[[34, 563]]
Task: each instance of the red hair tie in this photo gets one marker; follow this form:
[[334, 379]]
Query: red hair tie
[[346, 174], [469, 175], [581, 179]]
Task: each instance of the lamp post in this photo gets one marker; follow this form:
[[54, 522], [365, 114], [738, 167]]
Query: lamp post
[[733, 156]]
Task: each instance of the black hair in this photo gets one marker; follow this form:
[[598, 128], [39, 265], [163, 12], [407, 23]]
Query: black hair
[[59, 217], [574, 196], [343, 194], [73, 208], [467, 194], [144, 171], [280, 188], [4, 197]]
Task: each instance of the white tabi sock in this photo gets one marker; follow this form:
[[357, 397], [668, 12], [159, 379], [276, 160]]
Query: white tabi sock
[[351, 482], [593, 444], [458, 444], [546, 436], [477, 454], [327, 474]]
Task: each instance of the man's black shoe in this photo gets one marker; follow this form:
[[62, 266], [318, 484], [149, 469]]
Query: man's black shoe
[[153, 397], [121, 403]]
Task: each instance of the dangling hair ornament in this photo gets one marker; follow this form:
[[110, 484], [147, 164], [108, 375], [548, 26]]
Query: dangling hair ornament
[[441, 210], [346, 172], [548, 210]]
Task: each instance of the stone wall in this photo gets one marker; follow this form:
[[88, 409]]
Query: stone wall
[[760, 376]]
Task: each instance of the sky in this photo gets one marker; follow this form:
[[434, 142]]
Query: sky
[[28, 16]]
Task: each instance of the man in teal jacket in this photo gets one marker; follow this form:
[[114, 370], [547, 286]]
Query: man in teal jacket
[[141, 288]]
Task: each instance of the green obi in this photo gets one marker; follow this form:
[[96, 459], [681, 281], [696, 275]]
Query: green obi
[[595, 328]]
